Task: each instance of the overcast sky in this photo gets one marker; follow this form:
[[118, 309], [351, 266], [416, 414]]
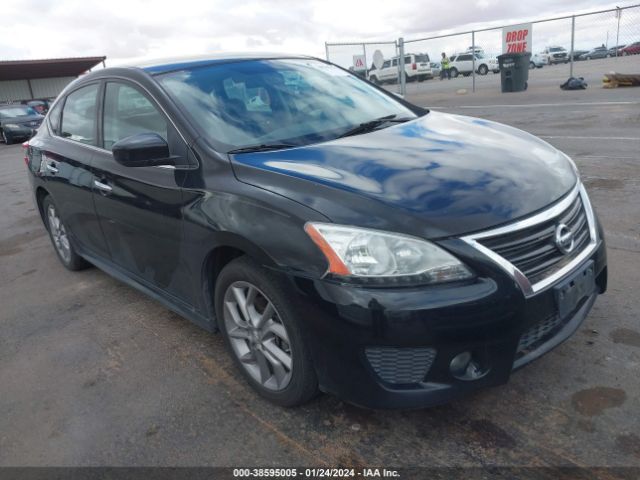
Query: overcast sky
[[128, 29]]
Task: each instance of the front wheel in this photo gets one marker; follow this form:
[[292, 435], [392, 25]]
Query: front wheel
[[260, 320], [532, 66], [483, 70], [60, 237], [374, 79]]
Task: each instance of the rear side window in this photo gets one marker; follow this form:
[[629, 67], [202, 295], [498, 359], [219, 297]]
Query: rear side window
[[54, 118], [394, 62], [127, 112], [79, 115]]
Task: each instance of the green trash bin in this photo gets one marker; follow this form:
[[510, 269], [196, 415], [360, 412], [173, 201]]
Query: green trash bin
[[514, 71]]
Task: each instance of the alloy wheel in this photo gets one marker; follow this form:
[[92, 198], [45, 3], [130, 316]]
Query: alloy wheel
[[59, 234], [257, 335]]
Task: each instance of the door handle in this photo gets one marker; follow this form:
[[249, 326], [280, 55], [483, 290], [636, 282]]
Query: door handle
[[51, 167], [102, 186]]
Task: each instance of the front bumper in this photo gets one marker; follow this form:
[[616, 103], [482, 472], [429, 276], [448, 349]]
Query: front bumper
[[353, 331], [20, 132]]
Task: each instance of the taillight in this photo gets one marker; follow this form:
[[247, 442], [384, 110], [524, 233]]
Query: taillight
[[414, 66], [25, 145]]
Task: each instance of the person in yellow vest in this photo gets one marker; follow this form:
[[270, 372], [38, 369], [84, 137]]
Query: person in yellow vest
[[445, 67]]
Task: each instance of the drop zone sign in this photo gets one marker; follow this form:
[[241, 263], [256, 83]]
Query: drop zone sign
[[517, 38]]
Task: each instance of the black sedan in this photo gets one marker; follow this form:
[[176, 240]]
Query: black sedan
[[340, 238], [598, 52], [18, 122]]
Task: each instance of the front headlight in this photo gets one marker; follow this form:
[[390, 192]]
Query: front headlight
[[364, 253], [11, 125]]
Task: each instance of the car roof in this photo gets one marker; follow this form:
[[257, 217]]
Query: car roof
[[163, 65]]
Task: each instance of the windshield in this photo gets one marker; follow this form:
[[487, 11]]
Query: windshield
[[556, 49], [292, 101], [422, 58], [16, 111]]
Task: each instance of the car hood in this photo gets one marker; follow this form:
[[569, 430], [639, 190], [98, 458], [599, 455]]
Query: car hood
[[23, 120], [439, 175]]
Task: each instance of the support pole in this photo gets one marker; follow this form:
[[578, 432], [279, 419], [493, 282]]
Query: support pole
[[618, 14], [573, 33], [401, 71], [366, 69], [473, 50], [326, 50]]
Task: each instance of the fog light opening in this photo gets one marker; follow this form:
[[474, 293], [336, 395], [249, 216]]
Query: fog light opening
[[467, 366]]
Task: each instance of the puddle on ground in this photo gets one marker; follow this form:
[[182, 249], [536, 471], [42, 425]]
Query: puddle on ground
[[625, 336], [593, 401]]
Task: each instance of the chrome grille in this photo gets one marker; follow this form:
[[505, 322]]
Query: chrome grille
[[401, 365], [533, 250]]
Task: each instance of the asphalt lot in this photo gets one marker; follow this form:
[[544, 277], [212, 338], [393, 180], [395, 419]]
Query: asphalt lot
[[94, 373]]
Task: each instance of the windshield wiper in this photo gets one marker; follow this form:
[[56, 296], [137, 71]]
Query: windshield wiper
[[372, 125], [263, 147]]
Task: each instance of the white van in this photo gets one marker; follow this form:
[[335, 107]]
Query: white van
[[417, 66]]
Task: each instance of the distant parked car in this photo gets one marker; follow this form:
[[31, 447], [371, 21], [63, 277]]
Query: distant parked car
[[462, 64], [40, 106], [435, 69], [18, 122], [417, 66], [577, 54], [598, 52], [554, 54], [536, 61], [615, 51], [632, 49]]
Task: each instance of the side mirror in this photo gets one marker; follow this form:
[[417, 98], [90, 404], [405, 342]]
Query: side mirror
[[142, 150]]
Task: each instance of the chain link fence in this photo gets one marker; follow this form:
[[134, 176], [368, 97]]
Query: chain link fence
[[568, 44]]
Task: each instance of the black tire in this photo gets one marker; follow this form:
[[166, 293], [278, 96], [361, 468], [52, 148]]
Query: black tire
[[532, 66], [303, 385], [72, 261], [588, 57], [7, 139], [453, 71], [374, 79], [483, 69]]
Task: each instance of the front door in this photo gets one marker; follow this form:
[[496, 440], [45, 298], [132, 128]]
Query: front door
[[140, 208]]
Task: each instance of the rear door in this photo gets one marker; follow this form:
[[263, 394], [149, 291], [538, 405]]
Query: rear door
[[464, 63], [65, 160], [140, 208]]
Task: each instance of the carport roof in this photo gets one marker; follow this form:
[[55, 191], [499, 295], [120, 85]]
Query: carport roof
[[47, 68]]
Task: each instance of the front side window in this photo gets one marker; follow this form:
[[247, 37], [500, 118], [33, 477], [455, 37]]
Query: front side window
[[293, 101], [386, 64], [128, 112], [79, 115], [394, 63]]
